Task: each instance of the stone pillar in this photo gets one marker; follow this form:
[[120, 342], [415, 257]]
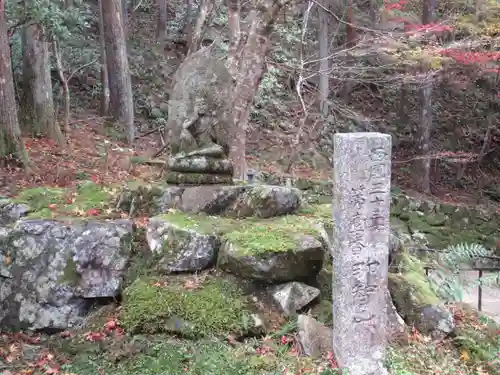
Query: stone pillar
[[361, 206]]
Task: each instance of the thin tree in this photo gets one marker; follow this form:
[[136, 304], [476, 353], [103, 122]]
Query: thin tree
[[120, 85], [10, 133], [161, 27], [235, 36], [425, 96], [206, 9], [324, 88], [104, 102], [38, 102], [251, 70]]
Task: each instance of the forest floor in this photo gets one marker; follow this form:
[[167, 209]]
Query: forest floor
[[93, 152]]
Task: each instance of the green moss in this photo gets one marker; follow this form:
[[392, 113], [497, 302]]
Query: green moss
[[41, 197], [323, 212], [47, 202], [70, 274], [411, 283], [215, 307], [277, 235], [203, 224]]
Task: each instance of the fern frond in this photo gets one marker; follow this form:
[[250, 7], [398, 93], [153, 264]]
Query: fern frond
[[445, 279]]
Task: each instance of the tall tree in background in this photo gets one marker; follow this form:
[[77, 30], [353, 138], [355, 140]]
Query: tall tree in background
[[233, 16], [425, 96], [10, 134], [38, 104], [250, 72], [324, 88], [161, 27], [120, 85], [205, 13], [104, 102]]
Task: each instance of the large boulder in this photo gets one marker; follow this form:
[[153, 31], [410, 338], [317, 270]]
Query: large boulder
[[234, 201], [10, 211], [416, 301], [281, 250], [51, 271], [178, 248]]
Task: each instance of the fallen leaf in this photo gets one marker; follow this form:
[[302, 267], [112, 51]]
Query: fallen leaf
[[464, 356], [92, 212]]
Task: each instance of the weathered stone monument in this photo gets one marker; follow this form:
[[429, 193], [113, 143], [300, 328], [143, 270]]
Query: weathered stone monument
[[362, 178], [200, 121]]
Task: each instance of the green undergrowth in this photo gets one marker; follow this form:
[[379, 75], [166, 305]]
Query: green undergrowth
[[86, 199], [474, 349], [192, 308], [251, 235], [165, 355], [201, 223]]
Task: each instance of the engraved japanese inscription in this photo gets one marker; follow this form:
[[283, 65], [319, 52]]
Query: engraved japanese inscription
[[362, 173]]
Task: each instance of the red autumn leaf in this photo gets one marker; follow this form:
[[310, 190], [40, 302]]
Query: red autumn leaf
[[52, 371], [94, 336], [93, 212], [111, 325], [65, 334]]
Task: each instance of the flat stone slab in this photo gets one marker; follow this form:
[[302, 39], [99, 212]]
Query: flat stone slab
[[234, 201], [201, 164], [182, 178]]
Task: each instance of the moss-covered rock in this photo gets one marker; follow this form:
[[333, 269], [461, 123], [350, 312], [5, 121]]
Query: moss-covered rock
[[188, 306], [415, 299], [282, 249], [182, 242]]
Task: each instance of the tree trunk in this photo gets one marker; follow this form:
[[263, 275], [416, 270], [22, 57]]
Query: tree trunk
[[161, 28], [120, 85], [424, 137], [125, 16], [104, 102], [235, 36], [351, 38], [428, 8], [38, 103], [64, 82], [10, 133], [248, 79], [188, 21], [324, 88], [205, 12]]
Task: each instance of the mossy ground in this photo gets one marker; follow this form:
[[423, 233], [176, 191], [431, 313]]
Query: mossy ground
[[87, 198], [250, 236], [194, 306], [164, 355], [275, 354], [473, 350]]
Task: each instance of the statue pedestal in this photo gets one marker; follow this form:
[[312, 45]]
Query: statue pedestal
[[199, 170]]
